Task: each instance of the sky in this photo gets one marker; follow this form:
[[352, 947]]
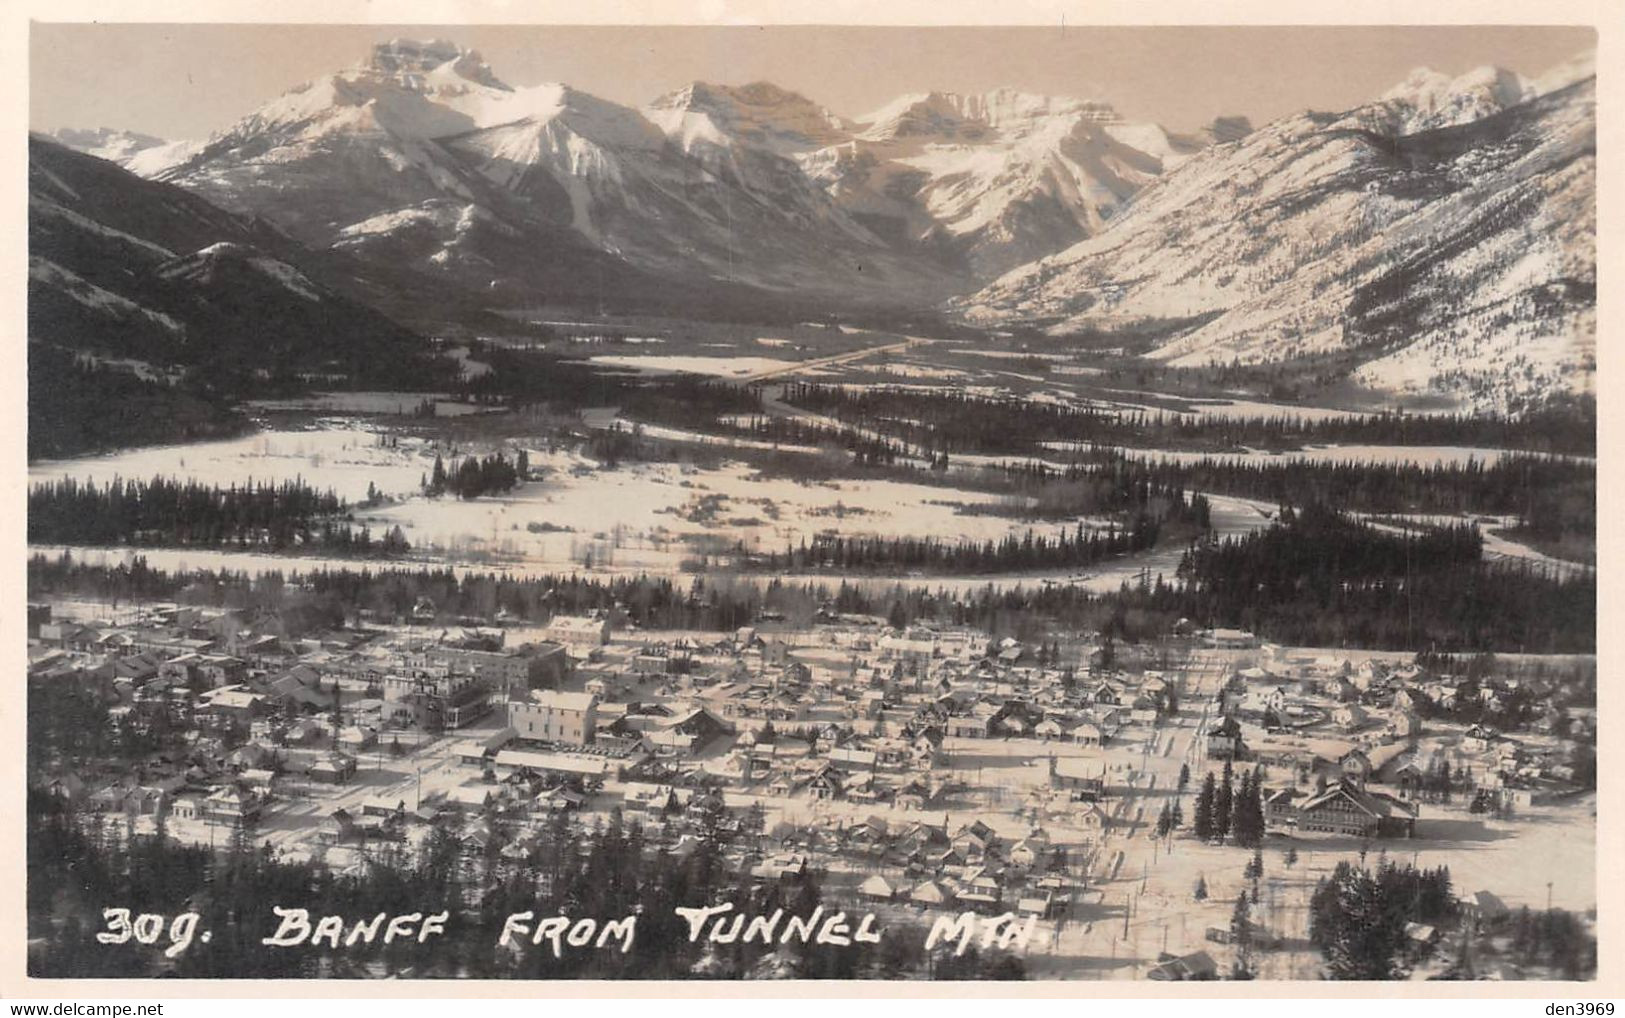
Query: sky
[[186, 81]]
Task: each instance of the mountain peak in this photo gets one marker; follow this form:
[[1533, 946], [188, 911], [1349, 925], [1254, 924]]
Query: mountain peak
[[971, 115], [761, 114], [105, 142], [1429, 99], [410, 59]]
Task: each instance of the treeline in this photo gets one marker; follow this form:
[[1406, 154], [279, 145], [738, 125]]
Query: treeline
[[475, 475], [76, 406], [1552, 499], [690, 402], [607, 870], [1316, 578], [1064, 550], [165, 511], [1557, 496], [1455, 605], [1317, 550], [962, 422]]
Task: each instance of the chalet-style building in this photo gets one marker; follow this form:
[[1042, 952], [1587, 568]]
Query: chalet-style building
[[1346, 808]]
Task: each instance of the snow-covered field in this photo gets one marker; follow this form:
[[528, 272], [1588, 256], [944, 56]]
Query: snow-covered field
[[344, 455], [720, 367], [649, 516]]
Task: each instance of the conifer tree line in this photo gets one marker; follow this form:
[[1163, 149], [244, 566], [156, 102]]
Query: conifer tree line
[[1548, 496], [475, 475], [1315, 575], [165, 511], [1496, 606], [1066, 549], [953, 421]]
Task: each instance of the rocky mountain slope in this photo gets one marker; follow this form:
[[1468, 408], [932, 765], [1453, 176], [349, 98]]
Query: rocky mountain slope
[[128, 269], [1439, 240]]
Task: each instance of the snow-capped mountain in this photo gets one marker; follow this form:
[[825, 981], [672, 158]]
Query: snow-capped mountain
[[1458, 258], [994, 179], [759, 115], [422, 152], [106, 142]]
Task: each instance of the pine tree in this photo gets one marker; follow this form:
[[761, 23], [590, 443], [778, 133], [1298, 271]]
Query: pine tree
[[1200, 894], [1205, 803], [1223, 801], [1241, 934]]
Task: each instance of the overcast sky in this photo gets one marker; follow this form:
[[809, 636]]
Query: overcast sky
[[185, 81]]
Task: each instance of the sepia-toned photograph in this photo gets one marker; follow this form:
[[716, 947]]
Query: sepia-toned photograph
[[810, 502]]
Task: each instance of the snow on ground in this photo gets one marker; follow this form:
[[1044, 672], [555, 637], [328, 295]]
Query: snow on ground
[[1423, 455], [646, 516], [397, 403], [721, 367], [343, 455]]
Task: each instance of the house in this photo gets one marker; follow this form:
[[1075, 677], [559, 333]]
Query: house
[[1480, 739], [230, 806], [1347, 808], [975, 839], [1485, 907], [1088, 733], [929, 893], [1042, 904], [926, 748], [827, 783], [1028, 852], [1349, 716], [978, 724], [877, 888], [1224, 741], [334, 769], [579, 630], [1083, 777], [1196, 966]]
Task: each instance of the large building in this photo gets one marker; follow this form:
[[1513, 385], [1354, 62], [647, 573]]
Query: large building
[[436, 702], [509, 673], [568, 719], [579, 630], [1346, 808]]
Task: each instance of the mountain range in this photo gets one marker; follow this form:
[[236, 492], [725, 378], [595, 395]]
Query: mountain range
[[1439, 238]]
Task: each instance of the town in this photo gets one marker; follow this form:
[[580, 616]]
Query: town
[[1171, 809]]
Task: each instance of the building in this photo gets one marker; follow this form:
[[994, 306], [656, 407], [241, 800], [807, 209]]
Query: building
[[1228, 639], [1198, 966], [579, 630], [1224, 741], [1346, 808], [1083, 777], [569, 719], [436, 702], [510, 673]]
